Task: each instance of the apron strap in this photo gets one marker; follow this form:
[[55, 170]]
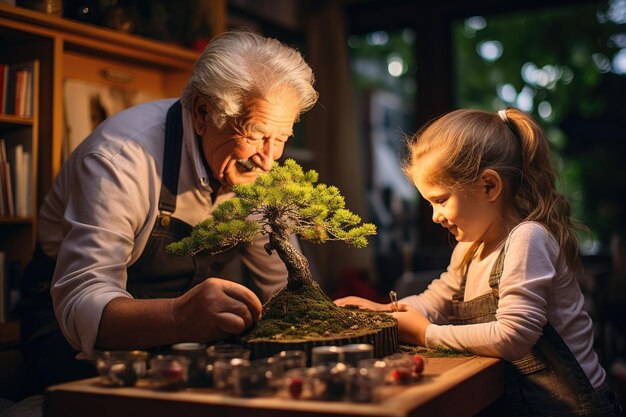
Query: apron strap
[[171, 160]]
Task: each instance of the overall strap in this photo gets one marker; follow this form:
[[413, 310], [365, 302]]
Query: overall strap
[[494, 278], [496, 273], [172, 151], [459, 297]]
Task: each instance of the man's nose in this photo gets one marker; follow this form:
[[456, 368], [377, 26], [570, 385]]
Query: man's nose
[[266, 155]]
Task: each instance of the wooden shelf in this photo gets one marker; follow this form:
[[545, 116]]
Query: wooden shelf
[[16, 220], [65, 50], [86, 36], [7, 120], [9, 334]]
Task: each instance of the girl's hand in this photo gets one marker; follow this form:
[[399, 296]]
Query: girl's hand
[[362, 303], [411, 325]]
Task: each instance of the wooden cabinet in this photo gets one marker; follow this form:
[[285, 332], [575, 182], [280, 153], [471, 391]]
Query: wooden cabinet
[[68, 50], [17, 132]]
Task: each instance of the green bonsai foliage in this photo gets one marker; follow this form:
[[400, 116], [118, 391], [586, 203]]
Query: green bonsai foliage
[[279, 203], [282, 202]]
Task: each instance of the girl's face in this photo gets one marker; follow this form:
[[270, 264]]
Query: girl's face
[[467, 213]]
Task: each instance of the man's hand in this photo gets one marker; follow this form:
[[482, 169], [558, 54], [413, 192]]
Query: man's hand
[[411, 325], [212, 310], [362, 303], [215, 309]]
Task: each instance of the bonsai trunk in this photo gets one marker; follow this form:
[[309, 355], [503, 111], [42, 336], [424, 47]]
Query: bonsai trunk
[[301, 316], [297, 265]]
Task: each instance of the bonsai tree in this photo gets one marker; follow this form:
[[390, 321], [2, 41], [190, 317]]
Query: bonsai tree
[[282, 202]]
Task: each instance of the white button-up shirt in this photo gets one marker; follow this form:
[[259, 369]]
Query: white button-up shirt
[[535, 288], [97, 218]]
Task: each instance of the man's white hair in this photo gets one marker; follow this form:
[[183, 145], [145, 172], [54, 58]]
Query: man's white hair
[[238, 64]]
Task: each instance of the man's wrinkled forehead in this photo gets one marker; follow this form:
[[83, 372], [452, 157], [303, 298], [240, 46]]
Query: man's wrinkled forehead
[[265, 130]]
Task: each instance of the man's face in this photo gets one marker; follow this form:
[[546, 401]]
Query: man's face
[[247, 145]]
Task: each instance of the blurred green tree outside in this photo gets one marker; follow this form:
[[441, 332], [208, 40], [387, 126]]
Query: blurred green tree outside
[[567, 67]]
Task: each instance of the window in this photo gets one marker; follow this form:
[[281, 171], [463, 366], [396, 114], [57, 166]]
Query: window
[[383, 65], [567, 67]]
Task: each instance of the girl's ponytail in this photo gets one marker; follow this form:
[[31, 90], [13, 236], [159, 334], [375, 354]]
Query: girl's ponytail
[[537, 197], [512, 144]]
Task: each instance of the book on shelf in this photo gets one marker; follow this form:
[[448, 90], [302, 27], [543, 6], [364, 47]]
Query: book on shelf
[[3, 182], [7, 205], [21, 183], [15, 181], [18, 161], [2, 192], [9, 93], [10, 197], [4, 81], [16, 88]]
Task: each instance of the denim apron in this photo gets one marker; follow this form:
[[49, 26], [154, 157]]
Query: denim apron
[[156, 274], [548, 381]]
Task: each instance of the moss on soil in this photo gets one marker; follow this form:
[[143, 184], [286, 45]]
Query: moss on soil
[[306, 313]]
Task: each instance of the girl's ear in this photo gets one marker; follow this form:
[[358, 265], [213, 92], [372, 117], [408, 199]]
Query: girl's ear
[[491, 181], [200, 113]]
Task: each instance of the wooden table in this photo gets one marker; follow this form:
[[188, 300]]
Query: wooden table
[[451, 386]]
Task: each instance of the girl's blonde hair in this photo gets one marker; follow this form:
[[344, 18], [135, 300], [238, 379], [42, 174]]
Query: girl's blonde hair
[[513, 145]]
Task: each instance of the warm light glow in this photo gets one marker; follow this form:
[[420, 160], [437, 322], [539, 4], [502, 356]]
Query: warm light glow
[[473, 24], [567, 75], [545, 77], [545, 110], [616, 12], [507, 92], [476, 22], [525, 99], [618, 40], [395, 65], [602, 62], [379, 37], [619, 62], [490, 50]]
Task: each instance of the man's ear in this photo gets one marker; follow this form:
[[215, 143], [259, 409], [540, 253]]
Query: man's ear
[[491, 182], [200, 109]]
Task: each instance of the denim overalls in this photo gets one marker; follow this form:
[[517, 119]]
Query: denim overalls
[[156, 274], [548, 381]]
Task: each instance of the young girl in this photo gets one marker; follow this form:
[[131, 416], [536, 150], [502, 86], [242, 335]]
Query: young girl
[[510, 290]]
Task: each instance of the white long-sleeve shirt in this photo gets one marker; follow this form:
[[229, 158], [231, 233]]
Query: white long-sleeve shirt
[[98, 216], [534, 290]]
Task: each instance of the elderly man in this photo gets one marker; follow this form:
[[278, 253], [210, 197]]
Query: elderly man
[[100, 276]]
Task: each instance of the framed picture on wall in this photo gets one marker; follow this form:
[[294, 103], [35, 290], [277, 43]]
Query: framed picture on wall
[[87, 104]]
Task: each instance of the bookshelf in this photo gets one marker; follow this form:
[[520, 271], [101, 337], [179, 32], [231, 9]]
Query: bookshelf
[[18, 170], [61, 51], [19, 136]]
